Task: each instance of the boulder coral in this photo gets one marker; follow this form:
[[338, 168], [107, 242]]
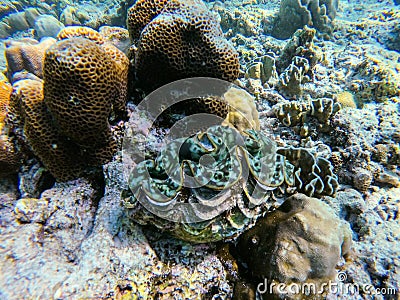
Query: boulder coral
[[65, 117], [178, 39], [300, 242]]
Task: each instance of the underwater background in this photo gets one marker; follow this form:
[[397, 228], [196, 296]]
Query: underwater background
[[303, 198]]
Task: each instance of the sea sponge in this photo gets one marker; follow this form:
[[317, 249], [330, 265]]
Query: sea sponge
[[181, 39], [242, 111], [26, 54]]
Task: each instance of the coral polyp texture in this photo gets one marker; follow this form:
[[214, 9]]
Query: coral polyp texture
[[215, 184], [178, 39], [26, 55], [8, 155], [66, 117]]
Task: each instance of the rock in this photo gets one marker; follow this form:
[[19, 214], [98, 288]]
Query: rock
[[47, 26], [302, 241]]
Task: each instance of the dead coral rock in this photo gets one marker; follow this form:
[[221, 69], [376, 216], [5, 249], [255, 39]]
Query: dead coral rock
[[302, 241], [181, 39], [26, 54], [294, 14]]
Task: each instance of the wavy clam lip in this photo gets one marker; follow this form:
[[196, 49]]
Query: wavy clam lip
[[215, 178]]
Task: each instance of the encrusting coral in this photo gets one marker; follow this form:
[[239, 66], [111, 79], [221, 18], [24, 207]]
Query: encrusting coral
[[178, 39], [66, 117], [242, 111]]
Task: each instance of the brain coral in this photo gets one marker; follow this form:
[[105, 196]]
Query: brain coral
[[179, 39], [66, 117], [60, 157], [80, 77]]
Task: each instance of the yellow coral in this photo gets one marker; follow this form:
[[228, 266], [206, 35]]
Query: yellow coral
[[346, 99], [242, 111]]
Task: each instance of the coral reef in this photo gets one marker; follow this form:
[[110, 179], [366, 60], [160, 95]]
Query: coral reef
[[181, 39], [300, 242], [383, 81], [22, 19], [295, 14], [26, 55], [299, 115], [292, 68], [66, 117], [245, 22]]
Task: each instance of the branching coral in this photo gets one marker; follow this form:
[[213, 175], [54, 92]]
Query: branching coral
[[294, 14], [27, 55], [178, 39], [292, 68]]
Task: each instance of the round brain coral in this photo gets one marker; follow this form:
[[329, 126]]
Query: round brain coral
[[81, 84], [182, 39]]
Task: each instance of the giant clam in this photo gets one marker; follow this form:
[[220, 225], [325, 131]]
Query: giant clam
[[213, 185]]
